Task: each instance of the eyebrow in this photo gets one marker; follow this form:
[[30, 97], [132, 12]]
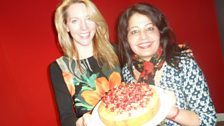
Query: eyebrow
[[86, 16], [150, 23]]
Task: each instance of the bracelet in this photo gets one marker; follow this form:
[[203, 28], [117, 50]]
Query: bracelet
[[177, 113]]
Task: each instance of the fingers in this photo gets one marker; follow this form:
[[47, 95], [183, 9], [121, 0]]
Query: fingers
[[172, 102], [86, 119], [171, 96]]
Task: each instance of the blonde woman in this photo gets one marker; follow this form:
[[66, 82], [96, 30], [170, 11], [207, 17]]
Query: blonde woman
[[80, 76]]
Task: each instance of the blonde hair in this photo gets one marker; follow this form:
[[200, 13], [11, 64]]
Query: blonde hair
[[103, 50]]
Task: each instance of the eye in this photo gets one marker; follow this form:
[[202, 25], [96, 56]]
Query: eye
[[73, 21], [134, 32], [88, 18], [150, 28]]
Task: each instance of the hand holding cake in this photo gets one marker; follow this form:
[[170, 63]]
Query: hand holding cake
[[172, 101], [85, 120]]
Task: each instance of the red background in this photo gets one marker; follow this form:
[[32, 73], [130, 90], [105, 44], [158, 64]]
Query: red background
[[28, 45]]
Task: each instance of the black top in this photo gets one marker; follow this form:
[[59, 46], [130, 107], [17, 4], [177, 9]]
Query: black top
[[72, 107]]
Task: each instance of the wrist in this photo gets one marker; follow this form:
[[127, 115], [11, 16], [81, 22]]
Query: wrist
[[173, 117]]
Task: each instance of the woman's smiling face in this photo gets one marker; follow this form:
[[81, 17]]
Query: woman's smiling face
[[143, 36], [81, 27]]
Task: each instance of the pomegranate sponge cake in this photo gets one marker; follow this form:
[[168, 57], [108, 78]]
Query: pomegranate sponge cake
[[129, 105]]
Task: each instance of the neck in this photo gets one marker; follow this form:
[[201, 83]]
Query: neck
[[85, 51], [145, 58]]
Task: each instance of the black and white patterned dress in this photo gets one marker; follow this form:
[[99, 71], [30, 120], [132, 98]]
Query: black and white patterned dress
[[190, 88]]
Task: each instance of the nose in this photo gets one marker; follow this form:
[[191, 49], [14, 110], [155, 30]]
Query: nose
[[143, 34], [84, 25]]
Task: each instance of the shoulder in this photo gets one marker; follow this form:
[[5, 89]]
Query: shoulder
[[187, 62], [53, 65], [60, 64], [185, 66]]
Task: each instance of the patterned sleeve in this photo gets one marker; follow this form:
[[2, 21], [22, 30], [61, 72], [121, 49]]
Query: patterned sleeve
[[196, 92]]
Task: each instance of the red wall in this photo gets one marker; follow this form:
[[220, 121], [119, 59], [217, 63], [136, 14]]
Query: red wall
[[28, 46]]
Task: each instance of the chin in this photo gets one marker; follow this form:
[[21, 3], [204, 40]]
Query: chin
[[146, 57], [85, 43]]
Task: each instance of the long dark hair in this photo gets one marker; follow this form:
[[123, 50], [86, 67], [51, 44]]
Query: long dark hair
[[167, 38]]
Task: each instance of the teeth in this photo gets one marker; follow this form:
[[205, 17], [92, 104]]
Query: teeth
[[84, 35], [144, 44]]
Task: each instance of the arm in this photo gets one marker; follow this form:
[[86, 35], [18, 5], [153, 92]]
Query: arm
[[183, 116], [63, 97], [200, 109]]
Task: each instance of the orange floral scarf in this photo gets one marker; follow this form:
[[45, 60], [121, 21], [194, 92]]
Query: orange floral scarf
[[148, 68]]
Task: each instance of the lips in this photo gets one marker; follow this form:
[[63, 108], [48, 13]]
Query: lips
[[144, 45], [84, 35]]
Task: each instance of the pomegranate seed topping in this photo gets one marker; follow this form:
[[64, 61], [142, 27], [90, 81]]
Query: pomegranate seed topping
[[128, 97]]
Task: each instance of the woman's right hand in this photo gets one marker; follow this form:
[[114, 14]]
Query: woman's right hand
[[172, 102]]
